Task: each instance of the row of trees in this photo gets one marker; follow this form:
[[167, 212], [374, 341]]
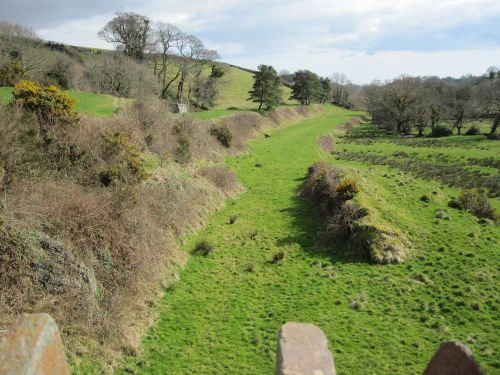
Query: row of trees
[[173, 55], [307, 87], [415, 103]]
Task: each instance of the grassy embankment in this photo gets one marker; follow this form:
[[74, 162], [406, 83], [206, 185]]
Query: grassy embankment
[[224, 314], [99, 105]]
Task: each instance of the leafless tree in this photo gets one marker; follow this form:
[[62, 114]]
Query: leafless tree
[[166, 37], [487, 99]]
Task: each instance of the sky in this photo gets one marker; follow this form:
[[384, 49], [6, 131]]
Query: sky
[[365, 39]]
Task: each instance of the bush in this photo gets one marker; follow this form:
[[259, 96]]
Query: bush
[[472, 201], [11, 73], [441, 131], [204, 248], [473, 130], [346, 189], [343, 222], [49, 104], [326, 187], [223, 134], [123, 161]]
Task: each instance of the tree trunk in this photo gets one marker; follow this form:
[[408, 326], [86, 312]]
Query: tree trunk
[[496, 122]]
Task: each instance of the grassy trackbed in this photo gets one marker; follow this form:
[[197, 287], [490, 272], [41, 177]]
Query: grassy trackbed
[[224, 314]]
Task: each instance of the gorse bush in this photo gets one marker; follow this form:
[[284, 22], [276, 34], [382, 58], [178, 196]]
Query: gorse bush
[[11, 73], [49, 104], [347, 188], [123, 161], [223, 134]]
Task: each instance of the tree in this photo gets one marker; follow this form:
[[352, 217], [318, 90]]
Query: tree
[[340, 89], [129, 31], [266, 88], [166, 37], [306, 87], [206, 91], [325, 90], [286, 77], [190, 48], [487, 99]]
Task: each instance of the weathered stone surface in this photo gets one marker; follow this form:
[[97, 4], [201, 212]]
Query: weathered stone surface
[[453, 358], [303, 350], [32, 346]]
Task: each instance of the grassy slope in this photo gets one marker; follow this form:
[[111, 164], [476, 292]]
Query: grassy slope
[[222, 319], [99, 105], [234, 89]]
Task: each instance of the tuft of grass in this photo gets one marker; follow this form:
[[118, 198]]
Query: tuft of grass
[[278, 257], [204, 248]]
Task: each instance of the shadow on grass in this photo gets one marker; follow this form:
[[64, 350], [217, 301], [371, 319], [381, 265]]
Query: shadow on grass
[[309, 223]]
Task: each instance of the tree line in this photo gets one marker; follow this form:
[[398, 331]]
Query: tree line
[[307, 87], [437, 105]]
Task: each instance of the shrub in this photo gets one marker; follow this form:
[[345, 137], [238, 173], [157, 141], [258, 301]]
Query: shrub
[[342, 223], [123, 161], [493, 136], [473, 130], [441, 131], [183, 150], [11, 73], [223, 134], [204, 248], [346, 189], [49, 104], [232, 219], [472, 201]]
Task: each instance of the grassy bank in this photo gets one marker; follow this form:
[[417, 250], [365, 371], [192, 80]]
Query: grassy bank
[[98, 105], [224, 314]]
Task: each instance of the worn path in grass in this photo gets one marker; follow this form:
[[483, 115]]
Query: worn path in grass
[[223, 315]]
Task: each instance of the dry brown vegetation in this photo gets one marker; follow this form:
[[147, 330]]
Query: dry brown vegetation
[[92, 251]]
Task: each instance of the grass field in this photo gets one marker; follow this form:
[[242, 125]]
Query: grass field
[[234, 89], [99, 105], [224, 314]]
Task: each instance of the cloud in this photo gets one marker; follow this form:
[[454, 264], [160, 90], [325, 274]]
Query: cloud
[[367, 38]]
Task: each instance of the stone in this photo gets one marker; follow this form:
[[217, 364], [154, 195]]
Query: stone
[[303, 350], [453, 358], [33, 346]]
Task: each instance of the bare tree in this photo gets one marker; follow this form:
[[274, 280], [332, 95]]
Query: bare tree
[[487, 99], [166, 38], [190, 49], [128, 31], [340, 89]]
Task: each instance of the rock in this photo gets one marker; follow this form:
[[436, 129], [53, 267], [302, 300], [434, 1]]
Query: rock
[[453, 358], [33, 346], [53, 246], [303, 350]]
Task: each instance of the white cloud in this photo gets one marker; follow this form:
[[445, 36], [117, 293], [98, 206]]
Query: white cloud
[[323, 35]]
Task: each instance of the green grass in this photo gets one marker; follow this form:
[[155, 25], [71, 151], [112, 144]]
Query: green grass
[[223, 319], [5, 95], [234, 89], [99, 105]]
